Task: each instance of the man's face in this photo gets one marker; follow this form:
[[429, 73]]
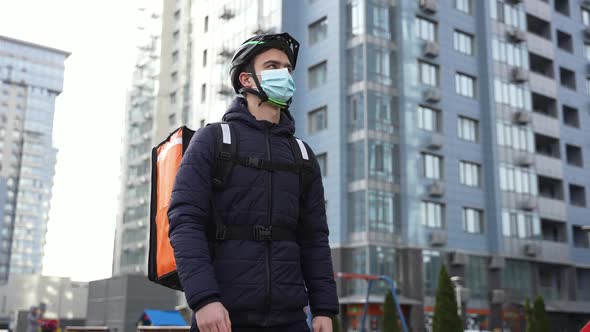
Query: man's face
[[267, 60]]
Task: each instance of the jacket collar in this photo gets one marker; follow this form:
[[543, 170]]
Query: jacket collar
[[238, 111]]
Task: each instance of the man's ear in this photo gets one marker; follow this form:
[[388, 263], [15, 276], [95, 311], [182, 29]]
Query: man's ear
[[246, 80]]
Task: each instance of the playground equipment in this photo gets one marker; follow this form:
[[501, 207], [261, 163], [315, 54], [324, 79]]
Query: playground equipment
[[371, 279]]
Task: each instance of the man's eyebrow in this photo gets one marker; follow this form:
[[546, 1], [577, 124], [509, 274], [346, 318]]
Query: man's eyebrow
[[275, 62]]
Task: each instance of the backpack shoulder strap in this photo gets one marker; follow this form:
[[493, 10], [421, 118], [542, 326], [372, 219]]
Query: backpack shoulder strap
[[226, 150], [302, 156]]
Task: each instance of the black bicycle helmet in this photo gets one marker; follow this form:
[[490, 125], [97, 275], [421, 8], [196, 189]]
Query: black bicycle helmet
[[250, 49]]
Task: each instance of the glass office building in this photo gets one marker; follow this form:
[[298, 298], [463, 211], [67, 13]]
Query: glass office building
[[31, 77]]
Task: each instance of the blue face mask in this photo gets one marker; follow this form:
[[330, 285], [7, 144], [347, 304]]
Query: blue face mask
[[278, 86]]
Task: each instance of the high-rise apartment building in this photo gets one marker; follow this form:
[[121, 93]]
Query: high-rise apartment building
[[31, 77], [159, 102], [449, 132], [130, 252]]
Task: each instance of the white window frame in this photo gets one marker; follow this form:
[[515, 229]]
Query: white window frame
[[465, 85], [432, 166], [432, 214], [428, 73], [463, 42], [472, 220], [468, 129], [469, 173], [426, 29]]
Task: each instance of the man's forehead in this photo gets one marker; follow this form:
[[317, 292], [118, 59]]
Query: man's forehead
[[275, 55]]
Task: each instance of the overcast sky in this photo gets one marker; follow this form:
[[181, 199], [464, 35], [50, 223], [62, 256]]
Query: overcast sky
[[88, 122]]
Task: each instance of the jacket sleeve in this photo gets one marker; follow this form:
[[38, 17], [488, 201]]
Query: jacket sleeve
[[189, 216], [316, 259]]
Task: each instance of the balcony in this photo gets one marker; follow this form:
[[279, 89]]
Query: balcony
[[552, 209], [538, 8], [546, 125], [543, 85], [540, 45], [548, 166]]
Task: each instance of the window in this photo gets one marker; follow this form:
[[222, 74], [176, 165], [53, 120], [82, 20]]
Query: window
[[318, 120], [432, 214], [516, 137], [520, 224], [587, 51], [174, 56], [577, 195], [585, 17], [465, 85], [574, 155], [570, 116], [356, 18], [581, 236], [520, 180], [382, 66], [463, 42], [318, 30], [318, 75], [432, 166], [177, 14], [588, 85], [562, 6], [469, 173], [202, 123], [567, 78], [508, 14], [468, 129], [476, 277], [514, 95], [356, 160], [472, 221], [381, 211], [431, 263], [206, 24], [429, 119], [356, 212], [173, 98], [380, 23], [323, 162], [381, 161], [203, 92], [564, 41], [176, 35], [174, 77], [356, 107], [204, 58], [428, 73], [426, 29], [463, 6], [516, 278]]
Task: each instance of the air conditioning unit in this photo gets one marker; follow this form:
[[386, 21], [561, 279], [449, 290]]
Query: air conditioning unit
[[496, 263], [532, 249], [523, 159], [432, 95], [430, 49], [515, 35], [436, 189], [434, 142], [497, 296], [458, 258], [437, 238], [522, 117], [428, 6], [519, 75], [528, 204]]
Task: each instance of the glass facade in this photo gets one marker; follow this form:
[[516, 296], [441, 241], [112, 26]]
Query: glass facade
[[32, 77]]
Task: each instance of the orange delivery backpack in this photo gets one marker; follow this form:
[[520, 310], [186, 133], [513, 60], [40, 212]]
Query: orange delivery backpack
[[166, 158]]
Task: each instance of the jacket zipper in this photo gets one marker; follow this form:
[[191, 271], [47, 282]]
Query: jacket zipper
[[268, 243]]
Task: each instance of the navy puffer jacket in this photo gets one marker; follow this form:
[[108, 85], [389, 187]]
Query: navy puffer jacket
[[261, 283]]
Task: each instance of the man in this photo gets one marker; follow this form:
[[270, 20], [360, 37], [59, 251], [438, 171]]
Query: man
[[262, 283], [33, 320]]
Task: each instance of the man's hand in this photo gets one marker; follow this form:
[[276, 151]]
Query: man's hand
[[322, 324], [213, 318]]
